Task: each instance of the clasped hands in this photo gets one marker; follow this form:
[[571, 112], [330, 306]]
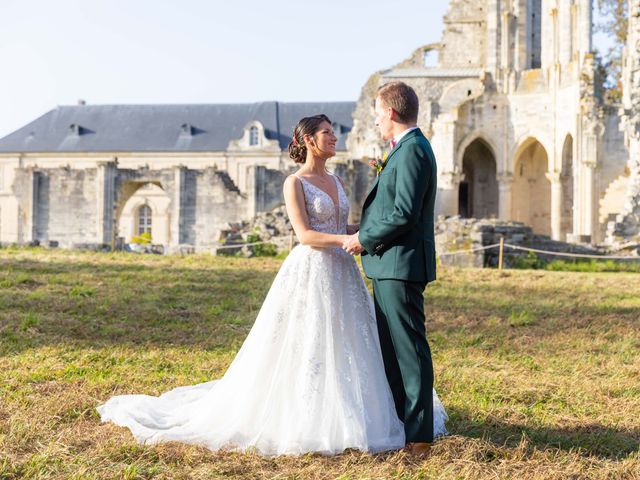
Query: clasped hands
[[352, 245]]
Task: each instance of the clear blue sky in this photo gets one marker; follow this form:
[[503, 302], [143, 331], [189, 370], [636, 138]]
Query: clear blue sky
[[54, 52], [197, 51]]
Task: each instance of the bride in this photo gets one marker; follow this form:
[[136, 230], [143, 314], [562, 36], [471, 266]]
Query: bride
[[309, 376]]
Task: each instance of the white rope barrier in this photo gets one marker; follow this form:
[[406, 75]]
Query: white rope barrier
[[472, 250], [544, 252], [239, 245], [573, 255]]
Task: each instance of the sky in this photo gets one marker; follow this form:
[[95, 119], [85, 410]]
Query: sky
[[200, 51]]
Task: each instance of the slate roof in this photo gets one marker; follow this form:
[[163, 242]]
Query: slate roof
[[157, 128]]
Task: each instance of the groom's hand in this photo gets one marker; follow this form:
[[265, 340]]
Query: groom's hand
[[352, 245]]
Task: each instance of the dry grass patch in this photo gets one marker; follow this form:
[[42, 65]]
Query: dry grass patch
[[539, 371]]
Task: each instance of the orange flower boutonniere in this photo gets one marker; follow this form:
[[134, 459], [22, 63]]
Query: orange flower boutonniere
[[378, 163]]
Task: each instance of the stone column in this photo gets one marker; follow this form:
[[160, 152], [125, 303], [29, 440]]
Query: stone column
[[179, 173], [565, 32], [493, 29], [556, 204], [588, 206], [105, 196], [31, 207], [255, 190], [506, 53], [448, 190], [505, 184], [443, 144], [585, 26]]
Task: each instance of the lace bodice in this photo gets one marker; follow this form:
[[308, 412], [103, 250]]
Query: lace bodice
[[323, 214]]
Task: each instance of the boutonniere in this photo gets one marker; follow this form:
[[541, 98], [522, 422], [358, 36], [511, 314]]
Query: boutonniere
[[378, 163]]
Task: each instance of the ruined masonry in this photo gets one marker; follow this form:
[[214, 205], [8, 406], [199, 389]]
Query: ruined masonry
[[509, 99], [510, 102], [626, 227]]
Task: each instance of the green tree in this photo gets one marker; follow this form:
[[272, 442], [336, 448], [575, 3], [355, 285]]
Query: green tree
[[613, 22]]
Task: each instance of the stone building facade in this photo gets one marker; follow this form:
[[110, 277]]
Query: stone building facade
[[509, 101], [94, 176]]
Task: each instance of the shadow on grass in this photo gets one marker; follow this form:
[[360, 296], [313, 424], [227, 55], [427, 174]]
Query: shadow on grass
[[588, 440]]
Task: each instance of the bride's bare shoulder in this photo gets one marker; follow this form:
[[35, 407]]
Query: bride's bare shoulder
[[292, 186]]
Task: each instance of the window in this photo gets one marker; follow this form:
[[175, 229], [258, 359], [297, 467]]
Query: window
[[144, 219], [535, 33], [253, 136], [431, 58]]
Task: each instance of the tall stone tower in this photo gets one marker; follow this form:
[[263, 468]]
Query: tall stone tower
[[627, 225], [513, 115]]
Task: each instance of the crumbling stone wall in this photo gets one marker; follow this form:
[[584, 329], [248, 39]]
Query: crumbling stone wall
[[627, 226], [465, 35], [62, 205]]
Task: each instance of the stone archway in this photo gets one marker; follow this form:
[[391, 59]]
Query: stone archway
[[150, 195], [478, 194], [531, 200], [566, 180]]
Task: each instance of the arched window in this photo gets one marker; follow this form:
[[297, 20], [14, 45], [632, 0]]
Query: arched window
[[144, 219], [254, 139]]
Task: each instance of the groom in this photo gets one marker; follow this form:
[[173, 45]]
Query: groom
[[396, 240]]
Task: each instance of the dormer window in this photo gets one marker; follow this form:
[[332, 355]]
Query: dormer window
[[186, 130], [254, 136]]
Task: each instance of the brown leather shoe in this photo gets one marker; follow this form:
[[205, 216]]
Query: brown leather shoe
[[418, 448]]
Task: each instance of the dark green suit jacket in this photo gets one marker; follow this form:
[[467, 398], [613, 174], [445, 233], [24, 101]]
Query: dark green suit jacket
[[397, 225]]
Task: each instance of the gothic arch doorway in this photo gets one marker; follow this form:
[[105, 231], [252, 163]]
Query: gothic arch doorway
[[531, 202], [144, 208], [566, 179], [478, 195]]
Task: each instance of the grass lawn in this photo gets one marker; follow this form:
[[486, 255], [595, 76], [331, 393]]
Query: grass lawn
[[539, 370]]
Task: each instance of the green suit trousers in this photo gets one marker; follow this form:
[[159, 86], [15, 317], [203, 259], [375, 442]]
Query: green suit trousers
[[399, 308]]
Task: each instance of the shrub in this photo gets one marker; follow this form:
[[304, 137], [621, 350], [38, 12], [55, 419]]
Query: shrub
[[263, 249], [142, 239]]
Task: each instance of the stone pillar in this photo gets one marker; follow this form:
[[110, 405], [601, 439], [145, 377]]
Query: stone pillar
[[179, 173], [505, 184], [556, 205], [493, 29], [443, 144], [590, 200], [585, 26], [447, 196], [506, 52], [31, 208], [585, 205], [565, 32], [105, 196], [256, 190]]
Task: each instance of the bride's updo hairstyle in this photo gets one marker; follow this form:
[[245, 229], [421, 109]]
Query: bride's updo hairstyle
[[306, 126]]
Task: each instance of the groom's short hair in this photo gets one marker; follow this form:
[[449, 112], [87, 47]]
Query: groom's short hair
[[402, 98]]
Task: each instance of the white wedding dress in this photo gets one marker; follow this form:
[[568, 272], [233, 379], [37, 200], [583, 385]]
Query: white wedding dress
[[309, 376]]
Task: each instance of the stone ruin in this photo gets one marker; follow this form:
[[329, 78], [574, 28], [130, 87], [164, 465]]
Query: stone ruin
[[624, 232]]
